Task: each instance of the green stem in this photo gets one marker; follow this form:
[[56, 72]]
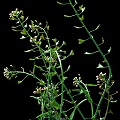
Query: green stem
[[33, 75], [71, 97], [62, 81], [110, 71], [91, 103]]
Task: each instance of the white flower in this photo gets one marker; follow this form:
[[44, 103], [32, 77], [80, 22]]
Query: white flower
[[6, 73], [100, 76]]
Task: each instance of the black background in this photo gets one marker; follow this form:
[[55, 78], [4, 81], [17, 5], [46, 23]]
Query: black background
[[15, 101]]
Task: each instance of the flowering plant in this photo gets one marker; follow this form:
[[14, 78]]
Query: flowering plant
[[51, 95]]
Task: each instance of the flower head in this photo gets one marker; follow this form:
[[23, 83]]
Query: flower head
[[6, 73], [76, 80], [101, 76]]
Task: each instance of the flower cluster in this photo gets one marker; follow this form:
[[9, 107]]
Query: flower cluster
[[76, 81], [101, 78], [40, 89], [8, 74], [51, 89], [15, 13]]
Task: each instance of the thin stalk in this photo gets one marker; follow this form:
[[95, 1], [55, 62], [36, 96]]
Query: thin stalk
[[34, 76], [110, 71], [62, 81], [31, 37], [71, 97], [37, 46], [92, 109]]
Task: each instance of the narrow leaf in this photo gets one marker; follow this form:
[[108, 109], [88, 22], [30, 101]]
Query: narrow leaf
[[42, 115], [78, 90], [72, 114], [62, 3], [56, 105], [91, 85]]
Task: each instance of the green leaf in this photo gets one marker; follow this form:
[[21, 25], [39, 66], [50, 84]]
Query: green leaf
[[42, 37], [82, 18], [40, 68], [23, 32], [62, 3], [78, 90], [64, 78], [53, 73], [22, 18], [32, 59], [81, 7], [86, 93], [41, 82], [81, 41], [91, 85], [55, 105], [72, 114], [43, 115]]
